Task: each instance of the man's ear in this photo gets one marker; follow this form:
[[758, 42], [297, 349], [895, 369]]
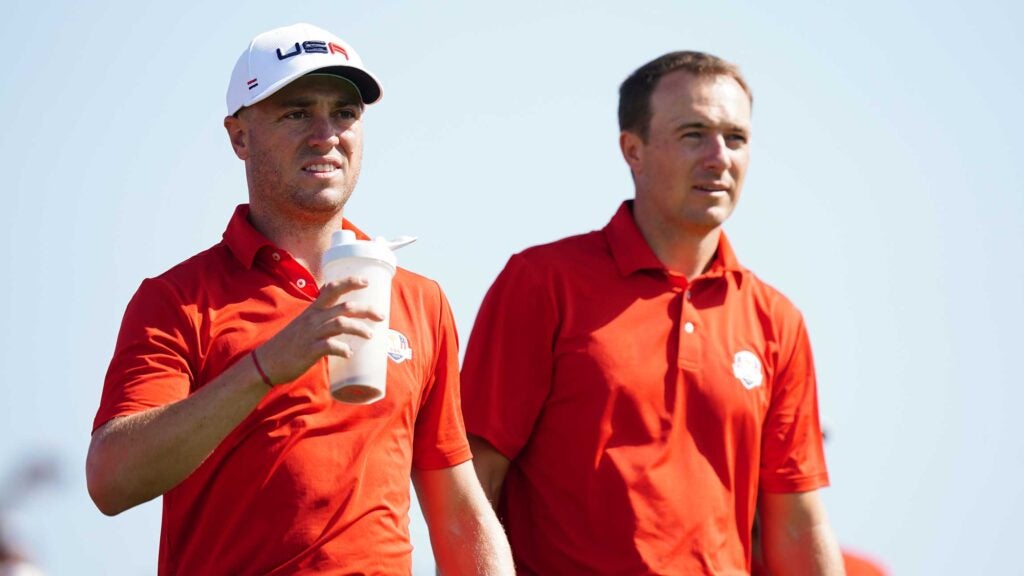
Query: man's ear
[[632, 147], [237, 133]]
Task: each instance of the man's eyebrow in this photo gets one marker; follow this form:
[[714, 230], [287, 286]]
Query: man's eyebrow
[[691, 126], [728, 126], [295, 102]]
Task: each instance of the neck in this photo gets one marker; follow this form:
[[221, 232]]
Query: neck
[[306, 240], [686, 252]]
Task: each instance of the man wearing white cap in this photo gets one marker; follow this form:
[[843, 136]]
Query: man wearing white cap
[[217, 396]]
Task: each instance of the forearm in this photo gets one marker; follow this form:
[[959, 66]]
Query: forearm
[[465, 534], [136, 458], [475, 545], [139, 457], [813, 552], [797, 538], [490, 467]]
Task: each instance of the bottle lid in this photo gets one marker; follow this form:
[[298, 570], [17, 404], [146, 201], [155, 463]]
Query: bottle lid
[[344, 244]]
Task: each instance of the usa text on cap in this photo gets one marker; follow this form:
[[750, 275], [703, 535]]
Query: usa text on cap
[[276, 58]]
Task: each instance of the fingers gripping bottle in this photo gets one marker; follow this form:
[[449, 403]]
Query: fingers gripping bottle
[[361, 379]]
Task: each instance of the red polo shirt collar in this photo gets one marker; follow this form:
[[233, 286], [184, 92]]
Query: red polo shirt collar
[[632, 253], [246, 242]]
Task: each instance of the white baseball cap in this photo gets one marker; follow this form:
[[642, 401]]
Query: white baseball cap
[[276, 58]]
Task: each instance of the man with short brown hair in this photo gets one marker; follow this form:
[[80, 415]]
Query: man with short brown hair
[[629, 391]]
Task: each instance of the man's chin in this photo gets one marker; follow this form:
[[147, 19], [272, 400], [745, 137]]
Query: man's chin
[[323, 201], [715, 216]]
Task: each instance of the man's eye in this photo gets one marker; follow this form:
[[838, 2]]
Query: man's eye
[[296, 115], [347, 114], [736, 139], [692, 135]]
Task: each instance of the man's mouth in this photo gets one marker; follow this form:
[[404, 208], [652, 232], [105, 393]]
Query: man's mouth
[[710, 188], [321, 168]]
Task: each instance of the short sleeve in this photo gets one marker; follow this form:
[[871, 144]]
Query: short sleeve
[[150, 366], [440, 436], [506, 376], [792, 455]]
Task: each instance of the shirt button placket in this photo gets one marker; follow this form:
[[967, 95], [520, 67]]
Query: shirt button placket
[[280, 266], [690, 342]]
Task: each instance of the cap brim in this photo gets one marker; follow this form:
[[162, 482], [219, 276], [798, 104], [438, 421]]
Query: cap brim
[[369, 88]]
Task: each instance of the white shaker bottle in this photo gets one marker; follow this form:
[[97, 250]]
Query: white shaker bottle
[[361, 379]]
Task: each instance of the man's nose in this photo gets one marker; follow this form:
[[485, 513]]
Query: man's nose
[[716, 153], [324, 132]]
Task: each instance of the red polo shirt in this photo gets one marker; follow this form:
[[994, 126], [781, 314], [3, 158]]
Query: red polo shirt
[[304, 483], [640, 412]]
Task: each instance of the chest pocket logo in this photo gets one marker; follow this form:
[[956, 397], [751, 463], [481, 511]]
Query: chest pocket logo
[[398, 347], [746, 367]]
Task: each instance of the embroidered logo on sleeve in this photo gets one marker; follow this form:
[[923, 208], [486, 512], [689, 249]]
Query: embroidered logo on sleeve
[[398, 347], [746, 367]]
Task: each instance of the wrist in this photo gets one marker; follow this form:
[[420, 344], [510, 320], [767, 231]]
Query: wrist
[[263, 375]]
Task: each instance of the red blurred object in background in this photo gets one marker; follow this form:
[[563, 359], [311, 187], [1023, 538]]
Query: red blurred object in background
[[858, 565]]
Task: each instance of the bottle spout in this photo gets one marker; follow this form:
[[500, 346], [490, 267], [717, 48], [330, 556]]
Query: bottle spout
[[396, 243]]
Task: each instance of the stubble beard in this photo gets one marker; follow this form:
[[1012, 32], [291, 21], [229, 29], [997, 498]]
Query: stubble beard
[[287, 202]]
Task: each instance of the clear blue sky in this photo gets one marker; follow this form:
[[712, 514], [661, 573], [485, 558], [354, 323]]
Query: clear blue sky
[[885, 197]]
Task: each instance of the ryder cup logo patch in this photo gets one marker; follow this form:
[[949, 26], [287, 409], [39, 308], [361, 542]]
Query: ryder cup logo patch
[[746, 367], [398, 347]]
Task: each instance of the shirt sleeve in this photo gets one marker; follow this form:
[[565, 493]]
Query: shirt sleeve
[[792, 455], [507, 372], [150, 366], [440, 435]]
